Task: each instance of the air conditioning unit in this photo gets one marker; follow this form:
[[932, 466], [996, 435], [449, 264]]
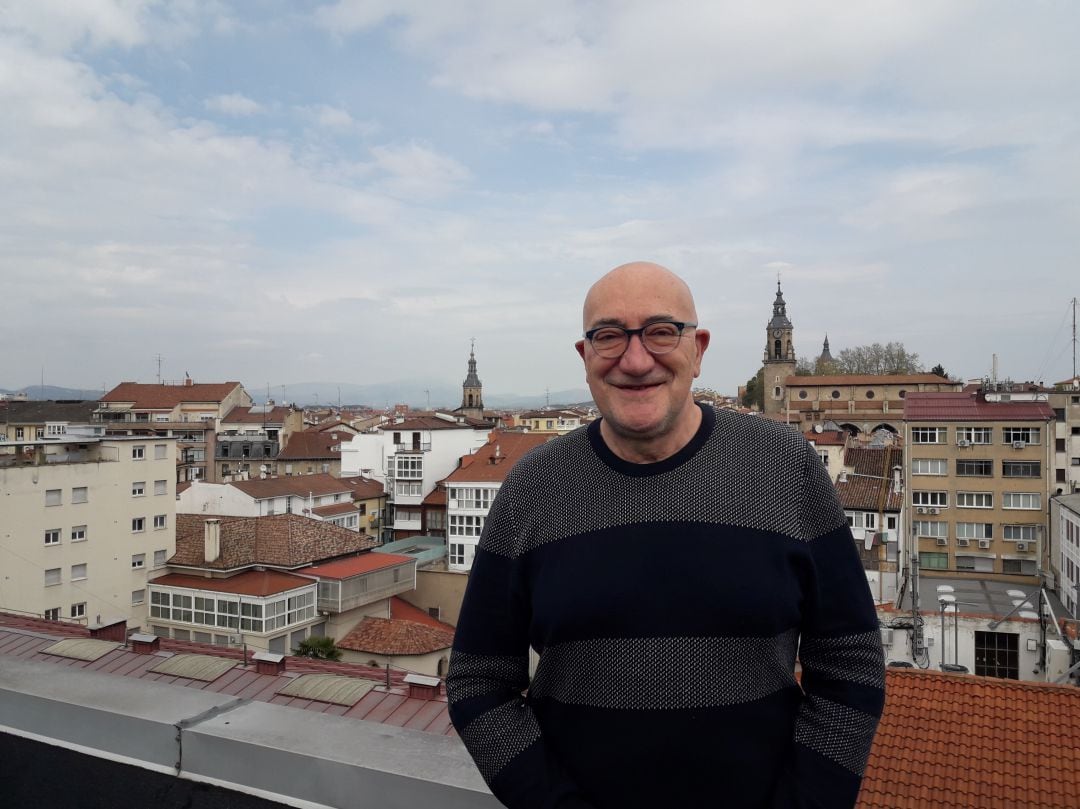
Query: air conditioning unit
[[963, 442], [1021, 546], [920, 509], [1019, 444], [942, 541], [984, 543], [933, 510], [963, 543], [886, 637]]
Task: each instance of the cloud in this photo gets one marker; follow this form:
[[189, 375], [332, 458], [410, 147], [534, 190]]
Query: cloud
[[233, 104], [415, 171]]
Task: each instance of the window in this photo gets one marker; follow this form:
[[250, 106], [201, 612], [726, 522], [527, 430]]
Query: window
[[436, 519], [861, 519], [78, 572], [53, 497], [138, 561], [997, 655], [928, 435], [159, 558], [802, 394], [1022, 533], [138, 597], [161, 487], [138, 488], [409, 466], [1021, 469], [161, 452], [975, 435], [52, 576], [890, 522], [934, 560], [19, 433], [824, 455], [1025, 567], [974, 530], [465, 525], [938, 499], [835, 394], [52, 614], [138, 524], [52, 536], [929, 466], [479, 498], [159, 521], [78, 533], [78, 610], [975, 469], [1025, 500], [974, 500], [457, 553], [78, 494], [409, 488], [1029, 435], [138, 452], [930, 528]]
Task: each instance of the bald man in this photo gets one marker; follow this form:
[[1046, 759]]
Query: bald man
[[667, 563]]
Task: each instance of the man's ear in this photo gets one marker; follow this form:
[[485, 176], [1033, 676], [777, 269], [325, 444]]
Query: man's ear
[[580, 346]]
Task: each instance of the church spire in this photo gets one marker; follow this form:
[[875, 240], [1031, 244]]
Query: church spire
[[472, 390]]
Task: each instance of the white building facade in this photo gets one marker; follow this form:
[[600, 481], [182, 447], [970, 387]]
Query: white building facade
[[85, 525]]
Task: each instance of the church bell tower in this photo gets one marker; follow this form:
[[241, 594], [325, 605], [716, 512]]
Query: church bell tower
[[779, 356], [472, 391]]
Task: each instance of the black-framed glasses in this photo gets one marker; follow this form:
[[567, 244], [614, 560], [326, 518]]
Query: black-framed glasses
[[660, 337]]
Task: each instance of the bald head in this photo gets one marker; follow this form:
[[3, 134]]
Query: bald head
[[645, 285]]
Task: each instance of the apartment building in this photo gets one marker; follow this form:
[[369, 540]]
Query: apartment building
[[471, 488], [30, 420], [979, 483], [189, 412], [84, 523], [249, 439], [410, 456], [1065, 549], [550, 421], [1065, 400]]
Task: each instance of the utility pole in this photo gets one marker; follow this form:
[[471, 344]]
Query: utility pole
[[1074, 337]]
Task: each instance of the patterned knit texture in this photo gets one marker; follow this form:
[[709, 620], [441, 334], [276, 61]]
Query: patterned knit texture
[[667, 603]]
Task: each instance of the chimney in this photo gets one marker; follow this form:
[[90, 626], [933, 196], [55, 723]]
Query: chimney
[[269, 663], [422, 686], [116, 631], [211, 540], [144, 644]]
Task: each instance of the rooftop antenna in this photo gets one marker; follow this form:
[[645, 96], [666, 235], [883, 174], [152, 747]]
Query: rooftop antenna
[[158, 358], [547, 397], [1074, 337], [427, 393]]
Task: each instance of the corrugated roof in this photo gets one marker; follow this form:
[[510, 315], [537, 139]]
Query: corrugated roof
[[161, 397], [205, 668], [299, 485], [329, 688], [964, 406], [356, 565], [250, 583]]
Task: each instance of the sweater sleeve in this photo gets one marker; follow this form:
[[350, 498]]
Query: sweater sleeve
[[843, 663], [489, 672]]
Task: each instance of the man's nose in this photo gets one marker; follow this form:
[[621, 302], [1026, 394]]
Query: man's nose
[[636, 359]]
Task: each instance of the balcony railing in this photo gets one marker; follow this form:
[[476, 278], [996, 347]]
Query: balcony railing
[[421, 447]]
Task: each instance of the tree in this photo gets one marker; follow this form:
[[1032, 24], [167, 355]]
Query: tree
[[939, 370], [319, 648], [890, 359], [805, 367], [754, 394]]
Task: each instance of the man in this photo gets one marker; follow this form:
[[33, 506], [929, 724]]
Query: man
[[666, 563]]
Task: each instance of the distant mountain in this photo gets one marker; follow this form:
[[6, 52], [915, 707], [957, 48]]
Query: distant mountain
[[38, 393], [415, 394]]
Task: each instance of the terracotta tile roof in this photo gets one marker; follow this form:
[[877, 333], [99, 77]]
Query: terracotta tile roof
[[437, 497], [827, 438], [284, 540], [874, 491], [332, 424], [430, 423], [957, 741], [356, 565], [961, 406], [243, 415], [319, 446], [300, 485], [396, 636], [334, 509], [364, 488], [403, 610], [487, 467], [251, 583], [866, 379], [162, 397]]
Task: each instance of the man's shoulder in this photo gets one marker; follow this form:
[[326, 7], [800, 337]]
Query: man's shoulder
[[758, 432]]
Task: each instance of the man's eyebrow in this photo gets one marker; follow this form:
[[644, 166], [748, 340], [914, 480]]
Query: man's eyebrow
[[615, 321]]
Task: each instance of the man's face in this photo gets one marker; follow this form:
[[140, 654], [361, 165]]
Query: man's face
[[643, 396]]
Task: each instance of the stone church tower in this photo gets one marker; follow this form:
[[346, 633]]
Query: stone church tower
[[472, 391], [779, 356]]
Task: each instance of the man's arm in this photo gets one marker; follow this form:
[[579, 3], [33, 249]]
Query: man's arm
[[843, 663], [489, 671]]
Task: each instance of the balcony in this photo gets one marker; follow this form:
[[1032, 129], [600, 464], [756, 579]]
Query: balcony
[[413, 447]]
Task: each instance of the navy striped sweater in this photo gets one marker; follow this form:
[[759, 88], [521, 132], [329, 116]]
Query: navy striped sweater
[[667, 603]]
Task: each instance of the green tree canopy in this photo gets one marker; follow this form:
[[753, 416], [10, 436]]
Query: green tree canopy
[[319, 648]]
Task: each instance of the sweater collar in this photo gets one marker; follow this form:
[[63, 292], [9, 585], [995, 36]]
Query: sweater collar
[[600, 447]]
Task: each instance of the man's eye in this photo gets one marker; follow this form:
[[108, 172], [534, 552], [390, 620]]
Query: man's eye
[[607, 336]]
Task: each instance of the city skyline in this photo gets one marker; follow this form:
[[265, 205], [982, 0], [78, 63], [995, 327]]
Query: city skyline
[[352, 191]]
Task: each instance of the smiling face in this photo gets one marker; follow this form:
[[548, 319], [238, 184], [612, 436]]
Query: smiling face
[[649, 412]]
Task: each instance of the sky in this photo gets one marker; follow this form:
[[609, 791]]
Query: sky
[[279, 192]]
